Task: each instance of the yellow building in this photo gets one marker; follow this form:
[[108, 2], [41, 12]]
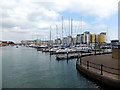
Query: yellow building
[[92, 38], [101, 38]]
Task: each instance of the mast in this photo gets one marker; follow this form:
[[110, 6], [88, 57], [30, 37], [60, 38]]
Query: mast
[[71, 32], [56, 31], [62, 27], [50, 35], [107, 35], [81, 23], [71, 27]]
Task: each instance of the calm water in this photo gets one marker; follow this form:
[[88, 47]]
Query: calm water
[[28, 68]]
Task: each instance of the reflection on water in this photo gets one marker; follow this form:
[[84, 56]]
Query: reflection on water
[[28, 68]]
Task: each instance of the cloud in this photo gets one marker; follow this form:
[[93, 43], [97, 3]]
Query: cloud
[[31, 16], [99, 8]]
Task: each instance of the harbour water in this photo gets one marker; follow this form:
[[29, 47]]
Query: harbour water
[[26, 67]]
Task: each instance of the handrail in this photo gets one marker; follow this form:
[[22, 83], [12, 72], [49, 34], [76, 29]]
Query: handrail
[[110, 67], [101, 67], [95, 68], [84, 63], [104, 66], [94, 63], [90, 65], [111, 72]]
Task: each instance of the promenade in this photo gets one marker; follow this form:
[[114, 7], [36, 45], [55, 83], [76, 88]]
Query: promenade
[[101, 68], [105, 60]]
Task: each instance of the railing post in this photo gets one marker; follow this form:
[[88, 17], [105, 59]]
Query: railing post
[[80, 61], [87, 64], [78, 57], [67, 55], [101, 69]]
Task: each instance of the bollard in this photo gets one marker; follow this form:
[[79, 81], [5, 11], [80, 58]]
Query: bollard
[[101, 69], [87, 64]]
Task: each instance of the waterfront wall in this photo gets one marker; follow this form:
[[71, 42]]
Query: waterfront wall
[[103, 80]]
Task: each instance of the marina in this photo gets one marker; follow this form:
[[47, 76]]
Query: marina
[[60, 44], [40, 70]]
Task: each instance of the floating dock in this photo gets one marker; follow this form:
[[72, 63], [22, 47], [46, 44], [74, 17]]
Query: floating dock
[[52, 53], [70, 56], [66, 57]]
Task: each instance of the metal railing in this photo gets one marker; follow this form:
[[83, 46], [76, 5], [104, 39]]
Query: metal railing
[[100, 67]]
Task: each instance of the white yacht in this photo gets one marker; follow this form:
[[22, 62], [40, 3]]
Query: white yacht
[[53, 49], [66, 50]]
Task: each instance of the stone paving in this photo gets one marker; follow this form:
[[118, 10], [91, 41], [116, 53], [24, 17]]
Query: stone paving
[[105, 59]]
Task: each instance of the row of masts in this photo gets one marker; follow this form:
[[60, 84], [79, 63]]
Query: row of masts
[[70, 29]]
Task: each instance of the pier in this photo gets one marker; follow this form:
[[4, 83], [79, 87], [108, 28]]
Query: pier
[[63, 56], [65, 52]]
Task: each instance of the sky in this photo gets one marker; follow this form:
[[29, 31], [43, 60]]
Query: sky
[[31, 19]]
